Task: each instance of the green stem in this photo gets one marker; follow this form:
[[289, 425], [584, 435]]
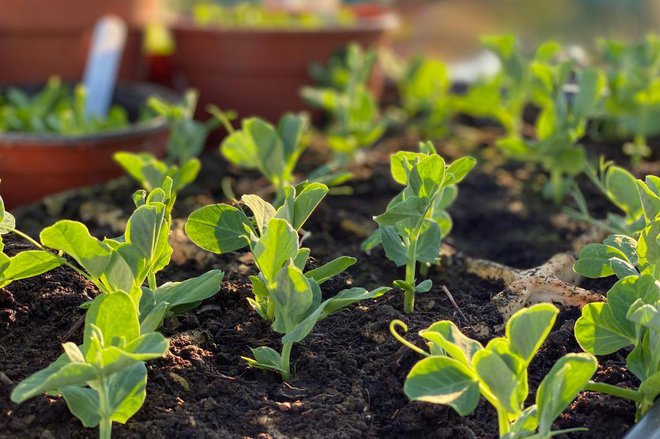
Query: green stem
[[609, 389], [105, 426], [503, 422], [286, 360], [557, 186], [409, 296], [152, 281]]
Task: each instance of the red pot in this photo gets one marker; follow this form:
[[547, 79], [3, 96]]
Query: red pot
[[40, 38], [33, 166], [260, 72]]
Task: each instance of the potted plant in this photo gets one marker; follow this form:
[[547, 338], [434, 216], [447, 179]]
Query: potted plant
[[47, 145], [259, 66], [39, 38]]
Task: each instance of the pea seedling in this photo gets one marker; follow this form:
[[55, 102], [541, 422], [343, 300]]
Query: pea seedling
[[412, 227], [185, 144], [356, 122], [458, 369], [284, 293], [629, 319], [104, 380]]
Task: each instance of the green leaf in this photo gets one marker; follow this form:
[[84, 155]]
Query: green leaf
[[528, 328], [443, 380], [277, 245], [127, 392], [191, 291], [265, 358], [401, 164], [450, 339], [594, 260], [603, 327], [74, 239], [331, 269], [460, 168], [115, 315], [7, 223], [27, 264], [349, 296], [428, 244], [566, 379], [53, 378], [147, 347], [83, 403], [622, 190], [502, 373], [403, 210], [306, 202], [292, 295], [393, 246], [218, 228], [262, 210]]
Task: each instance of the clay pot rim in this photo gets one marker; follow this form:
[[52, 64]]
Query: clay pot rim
[[139, 129], [383, 19]]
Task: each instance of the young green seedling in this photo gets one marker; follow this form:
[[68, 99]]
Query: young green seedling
[[127, 262], [356, 121], [425, 91], [274, 151], [26, 264], [621, 189], [415, 221], [284, 293], [560, 125], [629, 319], [625, 255], [185, 144], [458, 369], [103, 380], [633, 102], [505, 96]]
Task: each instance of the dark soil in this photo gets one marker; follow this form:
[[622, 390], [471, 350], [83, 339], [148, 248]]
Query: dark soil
[[348, 374]]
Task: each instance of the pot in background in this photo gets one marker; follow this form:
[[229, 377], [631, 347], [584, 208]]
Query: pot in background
[[261, 71], [33, 166], [40, 38]]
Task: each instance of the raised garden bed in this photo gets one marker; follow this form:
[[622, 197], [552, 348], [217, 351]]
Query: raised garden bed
[[349, 374]]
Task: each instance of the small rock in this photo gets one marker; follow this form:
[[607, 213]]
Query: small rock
[[46, 434], [208, 404], [180, 381], [4, 379]]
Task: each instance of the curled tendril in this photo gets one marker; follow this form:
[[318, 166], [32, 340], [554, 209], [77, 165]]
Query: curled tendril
[[393, 330]]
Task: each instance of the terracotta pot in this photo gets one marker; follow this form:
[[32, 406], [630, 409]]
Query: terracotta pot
[[40, 38], [33, 166], [260, 72]]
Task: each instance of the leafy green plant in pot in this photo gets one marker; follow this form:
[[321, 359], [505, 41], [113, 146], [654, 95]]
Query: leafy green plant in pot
[[57, 148], [285, 293]]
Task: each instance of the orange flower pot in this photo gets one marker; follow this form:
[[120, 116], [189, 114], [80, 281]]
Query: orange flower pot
[[40, 38], [33, 166], [261, 71]]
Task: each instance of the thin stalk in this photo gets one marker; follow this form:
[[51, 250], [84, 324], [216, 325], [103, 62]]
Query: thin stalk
[[409, 295], [152, 281], [105, 426], [286, 360], [557, 186], [620, 392], [503, 422], [403, 341]]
